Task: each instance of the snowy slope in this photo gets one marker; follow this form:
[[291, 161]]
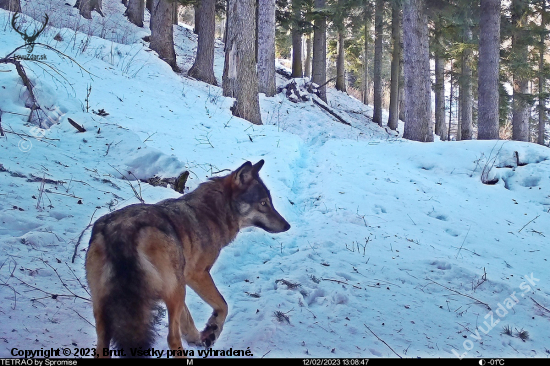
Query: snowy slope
[[390, 239]]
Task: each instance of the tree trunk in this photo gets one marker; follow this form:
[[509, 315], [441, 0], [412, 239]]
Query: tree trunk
[[307, 71], [418, 123], [11, 5], [488, 70], [542, 79], [176, 6], [340, 68], [135, 12], [378, 30], [203, 68], [366, 62], [85, 7], [451, 98], [240, 77], [297, 71], [149, 6], [319, 62], [466, 88], [266, 47], [401, 80], [439, 91], [196, 9], [520, 107], [162, 33], [394, 87]]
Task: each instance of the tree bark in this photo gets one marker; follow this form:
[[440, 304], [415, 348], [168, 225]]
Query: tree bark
[[162, 33], [135, 12], [11, 5], [196, 8], [203, 68], [266, 47], [521, 110], [488, 70], [297, 71], [85, 7], [307, 62], [394, 86], [240, 76], [401, 81], [176, 6], [319, 62], [366, 61], [542, 79], [340, 59], [439, 91], [466, 88], [418, 123], [378, 30]]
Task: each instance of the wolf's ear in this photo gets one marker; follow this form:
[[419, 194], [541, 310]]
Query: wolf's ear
[[244, 174], [256, 167]]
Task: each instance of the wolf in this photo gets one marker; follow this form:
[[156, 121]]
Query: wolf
[[145, 253]]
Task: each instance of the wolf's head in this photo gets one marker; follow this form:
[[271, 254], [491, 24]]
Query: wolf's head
[[252, 201]]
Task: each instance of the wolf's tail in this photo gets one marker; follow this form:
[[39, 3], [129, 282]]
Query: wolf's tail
[[127, 309]]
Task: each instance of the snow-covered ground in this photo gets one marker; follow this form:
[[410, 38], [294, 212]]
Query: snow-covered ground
[[393, 243]]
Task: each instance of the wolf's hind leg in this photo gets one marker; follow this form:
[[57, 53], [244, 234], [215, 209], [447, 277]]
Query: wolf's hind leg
[[188, 329], [201, 282], [103, 338], [175, 303]]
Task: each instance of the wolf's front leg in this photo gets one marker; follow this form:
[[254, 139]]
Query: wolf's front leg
[[201, 282]]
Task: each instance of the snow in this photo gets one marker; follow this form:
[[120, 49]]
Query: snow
[[390, 241]]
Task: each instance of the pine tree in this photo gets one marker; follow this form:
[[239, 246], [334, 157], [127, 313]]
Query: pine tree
[[11, 5], [266, 47], [466, 124], [85, 7], [542, 71], [297, 70], [439, 86], [203, 67], [418, 124], [319, 60], [378, 30], [240, 79], [488, 70], [521, 110], [135, 12], [396, 53], [162, 33]]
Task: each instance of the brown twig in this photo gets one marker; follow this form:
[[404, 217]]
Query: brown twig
[[381, 340], [50, 294], [81, 235], [468, 296], [528, 223], [76, 125], [345, 283], [63, 282], [539, 304], [329, 110]]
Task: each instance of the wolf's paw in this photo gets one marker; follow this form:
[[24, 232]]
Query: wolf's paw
[[210, 334], [193, 338]]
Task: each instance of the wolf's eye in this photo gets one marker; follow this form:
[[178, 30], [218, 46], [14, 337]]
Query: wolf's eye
[[263, 203]]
